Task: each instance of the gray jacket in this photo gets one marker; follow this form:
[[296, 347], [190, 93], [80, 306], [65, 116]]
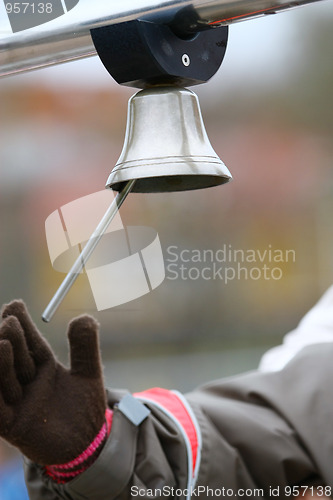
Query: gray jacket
[[258, 435]]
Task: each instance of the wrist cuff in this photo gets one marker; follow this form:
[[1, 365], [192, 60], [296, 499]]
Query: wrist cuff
[[63, 473]]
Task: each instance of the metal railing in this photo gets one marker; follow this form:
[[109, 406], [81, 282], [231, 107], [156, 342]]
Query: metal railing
[[68, 37]]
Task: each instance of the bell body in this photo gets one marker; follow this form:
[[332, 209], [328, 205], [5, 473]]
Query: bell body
[[166, 147]]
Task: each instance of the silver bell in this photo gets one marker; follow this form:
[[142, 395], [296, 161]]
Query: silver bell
[[166, 146]]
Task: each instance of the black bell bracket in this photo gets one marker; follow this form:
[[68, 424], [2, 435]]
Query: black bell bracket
[[144, 53]]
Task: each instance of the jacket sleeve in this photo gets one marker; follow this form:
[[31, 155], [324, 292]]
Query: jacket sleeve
[[251, 435]]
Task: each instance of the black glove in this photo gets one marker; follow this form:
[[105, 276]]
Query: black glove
[[47, 411]]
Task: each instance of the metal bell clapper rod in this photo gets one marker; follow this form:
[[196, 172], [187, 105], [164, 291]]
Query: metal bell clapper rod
[[87, 251]]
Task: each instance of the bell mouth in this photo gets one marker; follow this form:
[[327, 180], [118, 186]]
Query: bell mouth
[[172, 183], [168, 174]]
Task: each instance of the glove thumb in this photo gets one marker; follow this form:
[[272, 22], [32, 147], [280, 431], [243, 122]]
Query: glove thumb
[[85, 358]]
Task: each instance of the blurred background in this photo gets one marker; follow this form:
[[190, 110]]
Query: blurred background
[[269, 116]]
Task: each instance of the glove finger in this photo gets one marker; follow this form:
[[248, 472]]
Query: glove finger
[[84, 347], [9, 386], [38, 347], [11, 330]]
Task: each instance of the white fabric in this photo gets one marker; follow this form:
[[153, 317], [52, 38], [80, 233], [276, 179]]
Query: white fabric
[[316, 327]]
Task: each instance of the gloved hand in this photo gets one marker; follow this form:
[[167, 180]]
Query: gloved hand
[[47, 411]]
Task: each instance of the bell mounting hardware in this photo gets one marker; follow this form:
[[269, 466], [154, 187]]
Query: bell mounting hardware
[[143, 53]]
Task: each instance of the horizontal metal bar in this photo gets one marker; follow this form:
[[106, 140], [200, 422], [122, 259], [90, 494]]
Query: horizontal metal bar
[[68, 37]]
